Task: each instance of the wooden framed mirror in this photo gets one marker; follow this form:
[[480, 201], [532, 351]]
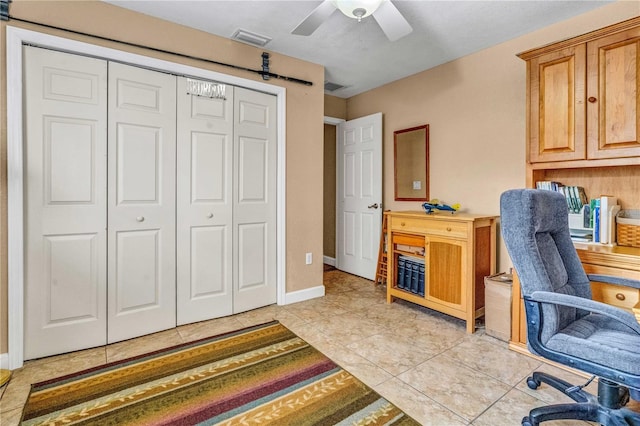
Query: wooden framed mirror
[[411, 163]]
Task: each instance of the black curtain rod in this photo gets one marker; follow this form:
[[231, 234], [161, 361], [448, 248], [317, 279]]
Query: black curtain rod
[[264, 72]]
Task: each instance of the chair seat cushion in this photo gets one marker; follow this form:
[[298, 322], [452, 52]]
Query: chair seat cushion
[[601, 340]]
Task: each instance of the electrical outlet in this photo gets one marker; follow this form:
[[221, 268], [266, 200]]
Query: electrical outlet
[[309, 258]]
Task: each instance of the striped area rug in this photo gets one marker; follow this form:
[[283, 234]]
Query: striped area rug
[[258, 375]]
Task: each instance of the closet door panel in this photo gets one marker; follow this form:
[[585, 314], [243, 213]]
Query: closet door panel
[[208, 262], [137, 167], [139, 271], [65, 202], [255, 163], [141, 214], [204, 205]]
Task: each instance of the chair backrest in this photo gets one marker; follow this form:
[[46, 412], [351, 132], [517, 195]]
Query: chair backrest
[[535, 229]]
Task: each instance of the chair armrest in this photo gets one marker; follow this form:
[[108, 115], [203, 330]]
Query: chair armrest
[[609, 279], [618, 314]]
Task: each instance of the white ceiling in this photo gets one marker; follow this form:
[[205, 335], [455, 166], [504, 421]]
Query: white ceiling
[[358, 55]]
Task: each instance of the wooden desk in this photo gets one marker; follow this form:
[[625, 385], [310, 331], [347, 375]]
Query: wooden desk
[[596, 259], [458, 251]]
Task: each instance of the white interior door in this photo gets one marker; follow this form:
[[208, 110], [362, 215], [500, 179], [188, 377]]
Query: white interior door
[[359, 195], [65, 202], [254, 208], [141, 211], [204, 206]]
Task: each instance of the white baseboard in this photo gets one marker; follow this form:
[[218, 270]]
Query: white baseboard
[[4, 361], [329, 260], [302, 295]]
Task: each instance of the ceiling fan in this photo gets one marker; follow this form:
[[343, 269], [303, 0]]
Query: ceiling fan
[[384, 12]]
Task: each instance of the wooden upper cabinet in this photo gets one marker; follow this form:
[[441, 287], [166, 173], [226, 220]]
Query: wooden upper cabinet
[[613, 113], [557, 96], [583, 96]]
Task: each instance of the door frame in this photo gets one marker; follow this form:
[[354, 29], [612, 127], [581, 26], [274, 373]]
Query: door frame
[[334, 122], [15, 39]]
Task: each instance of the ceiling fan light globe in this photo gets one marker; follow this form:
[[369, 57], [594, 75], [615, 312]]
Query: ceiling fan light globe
[[357, 9]]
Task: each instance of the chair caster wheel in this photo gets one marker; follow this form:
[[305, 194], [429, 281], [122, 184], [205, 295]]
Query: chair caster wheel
[[533, 384], [526, 421]]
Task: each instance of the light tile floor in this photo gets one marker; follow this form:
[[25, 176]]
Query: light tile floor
[[420, 360]]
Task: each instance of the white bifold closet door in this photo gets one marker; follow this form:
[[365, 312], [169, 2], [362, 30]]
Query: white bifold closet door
[[145, 206], [65, 202], [204, 206], [254, 207], [141, 207], [226, 203]]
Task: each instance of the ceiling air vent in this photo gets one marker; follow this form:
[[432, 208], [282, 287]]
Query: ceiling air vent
[[250, 38], [331, 87]]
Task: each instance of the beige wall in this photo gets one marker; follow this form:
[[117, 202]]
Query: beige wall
[[475, 108], [304, 113], [335, 107]]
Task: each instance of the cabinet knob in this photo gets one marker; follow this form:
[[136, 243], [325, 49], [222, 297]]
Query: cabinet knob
[[620, 296], [210, 215], [401, 223], [592, 99], [140, 218], [448, 229]]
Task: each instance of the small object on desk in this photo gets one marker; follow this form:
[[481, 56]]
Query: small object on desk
[[607, 202], [434, 204]]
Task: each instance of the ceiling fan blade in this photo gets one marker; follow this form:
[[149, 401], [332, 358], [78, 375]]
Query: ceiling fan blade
[[391, 21], [315, 18]]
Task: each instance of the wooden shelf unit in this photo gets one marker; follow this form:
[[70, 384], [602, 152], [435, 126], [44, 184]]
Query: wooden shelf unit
[[458, 250], [591, 141]]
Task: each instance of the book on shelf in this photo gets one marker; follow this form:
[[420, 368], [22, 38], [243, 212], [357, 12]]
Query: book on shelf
[[596, 221], [607, 207], [415, 273], [410, 274], [576, 196], [407, 274], [589, 220], [401, 272]]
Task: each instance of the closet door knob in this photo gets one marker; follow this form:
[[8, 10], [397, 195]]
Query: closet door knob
[[210, 215], [140, 218]]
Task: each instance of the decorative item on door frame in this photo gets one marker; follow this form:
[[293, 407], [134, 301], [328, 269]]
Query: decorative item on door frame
[[207, 89]]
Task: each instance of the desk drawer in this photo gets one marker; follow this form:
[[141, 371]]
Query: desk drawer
[[622, 297], [434, 227]]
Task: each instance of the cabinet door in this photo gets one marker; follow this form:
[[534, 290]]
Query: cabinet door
[[446, 261], [557, 119], [613, 112]]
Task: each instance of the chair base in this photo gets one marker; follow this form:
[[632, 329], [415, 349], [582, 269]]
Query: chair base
[[607, 408]]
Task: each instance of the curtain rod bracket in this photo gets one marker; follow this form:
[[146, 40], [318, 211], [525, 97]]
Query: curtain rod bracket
[[4, 10], [265, 66]]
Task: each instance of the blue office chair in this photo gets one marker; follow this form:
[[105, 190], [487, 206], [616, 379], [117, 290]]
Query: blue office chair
[[563, 323]]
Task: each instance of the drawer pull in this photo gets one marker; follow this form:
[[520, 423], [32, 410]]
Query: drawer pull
[[448, 229], [401, 223], [620, 296]]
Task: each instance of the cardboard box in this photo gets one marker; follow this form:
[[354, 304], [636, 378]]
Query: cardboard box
[[497, 305]]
